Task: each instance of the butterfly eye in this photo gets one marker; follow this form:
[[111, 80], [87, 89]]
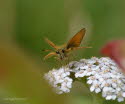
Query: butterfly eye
[[57, 52], [63, 51]]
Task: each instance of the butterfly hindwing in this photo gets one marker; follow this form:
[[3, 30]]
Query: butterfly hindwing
[[76, 39]]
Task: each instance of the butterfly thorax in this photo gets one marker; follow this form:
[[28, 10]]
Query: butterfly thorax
[[62, 54]]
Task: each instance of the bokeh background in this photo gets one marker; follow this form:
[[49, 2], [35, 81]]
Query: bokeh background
[[23, 26]]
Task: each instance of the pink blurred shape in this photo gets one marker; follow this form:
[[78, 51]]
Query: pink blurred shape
[[116, 50]]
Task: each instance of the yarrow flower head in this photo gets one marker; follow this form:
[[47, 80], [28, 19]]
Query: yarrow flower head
[[103, 76], [60, 80]]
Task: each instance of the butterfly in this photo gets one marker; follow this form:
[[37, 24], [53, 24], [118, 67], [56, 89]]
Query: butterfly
[[62, 52]]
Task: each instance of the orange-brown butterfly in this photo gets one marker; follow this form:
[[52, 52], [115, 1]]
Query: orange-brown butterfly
[[61, 52]]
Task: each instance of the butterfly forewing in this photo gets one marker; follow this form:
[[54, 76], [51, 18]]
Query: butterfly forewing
[[76, 39]]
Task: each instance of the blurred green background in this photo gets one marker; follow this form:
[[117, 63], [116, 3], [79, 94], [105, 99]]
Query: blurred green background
[[23, 26]]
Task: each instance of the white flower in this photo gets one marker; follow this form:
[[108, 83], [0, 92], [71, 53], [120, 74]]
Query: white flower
[[103, 76], [108, 97], [60, 80], [120, 99], [92, 88], [81, 73], [97, 90], [90, 81], [123, 94]]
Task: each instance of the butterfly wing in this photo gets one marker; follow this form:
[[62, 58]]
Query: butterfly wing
[[76, 39]]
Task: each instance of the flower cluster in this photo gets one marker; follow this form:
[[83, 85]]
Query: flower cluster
[[103, 75], [60, 80]]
